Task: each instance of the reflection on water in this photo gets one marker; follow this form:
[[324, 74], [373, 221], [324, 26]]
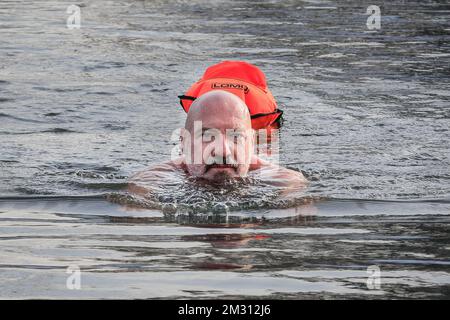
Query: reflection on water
[[320, 250]]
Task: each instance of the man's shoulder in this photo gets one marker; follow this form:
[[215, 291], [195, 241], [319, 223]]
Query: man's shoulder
[[258, 163], [156, 170], [277, 174]]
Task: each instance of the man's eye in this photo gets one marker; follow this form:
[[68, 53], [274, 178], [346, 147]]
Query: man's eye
[[238, 137], [208, 136]]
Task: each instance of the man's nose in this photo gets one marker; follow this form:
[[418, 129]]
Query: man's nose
[[223, 148]]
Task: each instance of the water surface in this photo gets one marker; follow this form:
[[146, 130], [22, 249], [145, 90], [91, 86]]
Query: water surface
[[367, 121], [318, 250]]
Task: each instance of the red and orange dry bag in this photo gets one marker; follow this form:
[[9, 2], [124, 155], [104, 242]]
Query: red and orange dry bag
[[246, 81]]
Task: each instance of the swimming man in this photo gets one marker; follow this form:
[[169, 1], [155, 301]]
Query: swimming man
[[217, 144]]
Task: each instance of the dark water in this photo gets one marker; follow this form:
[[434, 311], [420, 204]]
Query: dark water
[[367, 117], [320, 250]]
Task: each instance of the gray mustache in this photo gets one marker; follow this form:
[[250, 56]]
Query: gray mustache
[[221, 161]]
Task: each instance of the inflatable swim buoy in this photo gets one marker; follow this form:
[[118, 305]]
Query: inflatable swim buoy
[[246, 81]]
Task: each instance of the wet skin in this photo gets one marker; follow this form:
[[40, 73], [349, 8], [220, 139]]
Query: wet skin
[[217, 143]]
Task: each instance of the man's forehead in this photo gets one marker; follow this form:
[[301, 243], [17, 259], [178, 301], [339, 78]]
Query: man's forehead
[[228, 127], [220, 122]]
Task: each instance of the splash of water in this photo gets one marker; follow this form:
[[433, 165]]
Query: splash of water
[[175, 192]]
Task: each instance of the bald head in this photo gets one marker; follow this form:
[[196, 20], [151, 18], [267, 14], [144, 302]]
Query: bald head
[[220, 110]]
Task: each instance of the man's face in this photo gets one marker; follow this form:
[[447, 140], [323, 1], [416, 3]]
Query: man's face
[[218, 142]]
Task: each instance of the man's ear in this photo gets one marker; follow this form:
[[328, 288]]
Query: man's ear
[[181, 144], [185, 140]]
